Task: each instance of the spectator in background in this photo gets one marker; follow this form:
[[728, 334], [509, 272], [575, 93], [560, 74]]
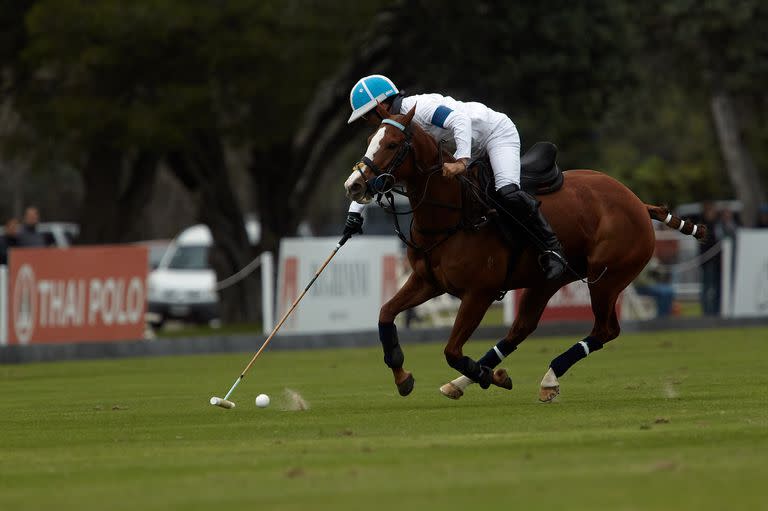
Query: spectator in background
[[711, 268], [9, 239], [762, 217], [29, 236], [654, 281], [726, 225]]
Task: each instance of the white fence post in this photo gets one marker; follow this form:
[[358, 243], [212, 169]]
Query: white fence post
[[726, 278], [267, 292], [3, 305], [509, 307]]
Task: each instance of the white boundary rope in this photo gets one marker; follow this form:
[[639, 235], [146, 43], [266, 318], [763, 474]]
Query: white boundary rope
[[694, 262], [240, 275]]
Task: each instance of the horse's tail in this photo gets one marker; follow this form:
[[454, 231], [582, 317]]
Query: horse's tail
[[662, 214]]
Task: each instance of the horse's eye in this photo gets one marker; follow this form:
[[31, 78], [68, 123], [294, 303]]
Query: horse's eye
[[392, 145]]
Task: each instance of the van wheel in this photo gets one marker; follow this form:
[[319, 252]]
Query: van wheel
[[157, 322]]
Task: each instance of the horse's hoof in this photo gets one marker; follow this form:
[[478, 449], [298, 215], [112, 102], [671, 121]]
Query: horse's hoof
[[547, 394], [501, 379], [451, 391], [405, 387]]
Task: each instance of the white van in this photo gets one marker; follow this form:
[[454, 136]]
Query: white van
[[183, 286]]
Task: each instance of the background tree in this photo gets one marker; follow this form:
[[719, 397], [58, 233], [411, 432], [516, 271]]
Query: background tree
[[122, 87], [717, 51], [243, 104]]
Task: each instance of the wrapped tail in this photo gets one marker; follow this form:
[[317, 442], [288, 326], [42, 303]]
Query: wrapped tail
[[662, 214]]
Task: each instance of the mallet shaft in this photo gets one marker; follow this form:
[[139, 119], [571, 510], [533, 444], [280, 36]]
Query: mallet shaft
[[293, 307], [284, 318], [234, 386]]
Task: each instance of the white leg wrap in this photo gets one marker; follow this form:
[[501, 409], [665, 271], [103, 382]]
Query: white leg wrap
[[462, 382], [550, 380]]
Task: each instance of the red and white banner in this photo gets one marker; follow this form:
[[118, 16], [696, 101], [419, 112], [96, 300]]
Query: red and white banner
[[77, 294], [570, 303]]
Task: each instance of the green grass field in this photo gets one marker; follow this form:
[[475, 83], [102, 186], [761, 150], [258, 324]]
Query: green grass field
[[672, 420]]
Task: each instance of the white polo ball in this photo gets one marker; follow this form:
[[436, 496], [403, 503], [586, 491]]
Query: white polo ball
[[262, 400]]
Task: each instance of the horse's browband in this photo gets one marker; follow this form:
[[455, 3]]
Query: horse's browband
[[394, 123]]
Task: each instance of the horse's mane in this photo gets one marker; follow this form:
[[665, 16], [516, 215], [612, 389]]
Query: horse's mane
[[418, 131]]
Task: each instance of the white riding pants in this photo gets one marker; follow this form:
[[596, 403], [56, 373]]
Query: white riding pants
[[503, 147]]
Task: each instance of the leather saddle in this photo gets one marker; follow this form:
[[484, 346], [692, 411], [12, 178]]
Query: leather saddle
[[539, 173]]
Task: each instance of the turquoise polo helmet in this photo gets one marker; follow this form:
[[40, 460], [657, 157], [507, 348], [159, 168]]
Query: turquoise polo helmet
[[367, 92]]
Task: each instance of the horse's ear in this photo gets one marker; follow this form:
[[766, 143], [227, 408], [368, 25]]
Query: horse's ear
[[382, 111], [409, 116]]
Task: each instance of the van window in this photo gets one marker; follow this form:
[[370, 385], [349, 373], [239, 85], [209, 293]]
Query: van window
[[190, 257]]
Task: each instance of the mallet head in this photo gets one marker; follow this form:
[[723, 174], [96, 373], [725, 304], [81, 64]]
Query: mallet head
[[223, 403]]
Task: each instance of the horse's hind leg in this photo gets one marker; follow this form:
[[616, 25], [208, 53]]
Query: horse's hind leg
[[414, 292], [471, 311], [606, 328], [532, 305]]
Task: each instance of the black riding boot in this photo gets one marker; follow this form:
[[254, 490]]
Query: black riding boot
[[526, 209]]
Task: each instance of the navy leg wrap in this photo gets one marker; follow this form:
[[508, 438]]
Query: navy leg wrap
[[393, 354], [581, 349], [492, 358], [483, 375]]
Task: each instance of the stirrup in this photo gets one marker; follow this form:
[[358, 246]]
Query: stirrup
[[545, 259]]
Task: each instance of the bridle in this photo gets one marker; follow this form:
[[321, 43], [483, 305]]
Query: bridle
[[383, 180], [382, 185]]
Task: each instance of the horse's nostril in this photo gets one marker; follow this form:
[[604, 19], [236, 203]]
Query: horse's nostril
[[356, 188]]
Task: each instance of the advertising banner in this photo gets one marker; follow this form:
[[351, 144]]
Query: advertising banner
[[570, 303], [3, 305], [350, 291], [750, 283], [76, 294]]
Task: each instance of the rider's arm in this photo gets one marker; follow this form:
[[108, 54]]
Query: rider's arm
[[459, 124]]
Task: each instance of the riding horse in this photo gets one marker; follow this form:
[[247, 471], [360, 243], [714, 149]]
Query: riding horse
[[605, 229]]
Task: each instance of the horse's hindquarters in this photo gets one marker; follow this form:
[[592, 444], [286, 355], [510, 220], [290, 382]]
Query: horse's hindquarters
[[600, 219]]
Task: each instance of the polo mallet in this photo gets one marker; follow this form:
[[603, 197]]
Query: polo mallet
[[225, 403]]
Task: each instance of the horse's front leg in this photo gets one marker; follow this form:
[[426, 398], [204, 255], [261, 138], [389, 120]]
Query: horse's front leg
[[473, 308], [415, 291]]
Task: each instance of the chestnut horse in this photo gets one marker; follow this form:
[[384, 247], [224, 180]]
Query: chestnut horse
[[605, 230]]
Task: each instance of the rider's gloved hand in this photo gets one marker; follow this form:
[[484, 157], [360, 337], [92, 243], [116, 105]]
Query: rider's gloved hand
[[354, 224], [454, 169]]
